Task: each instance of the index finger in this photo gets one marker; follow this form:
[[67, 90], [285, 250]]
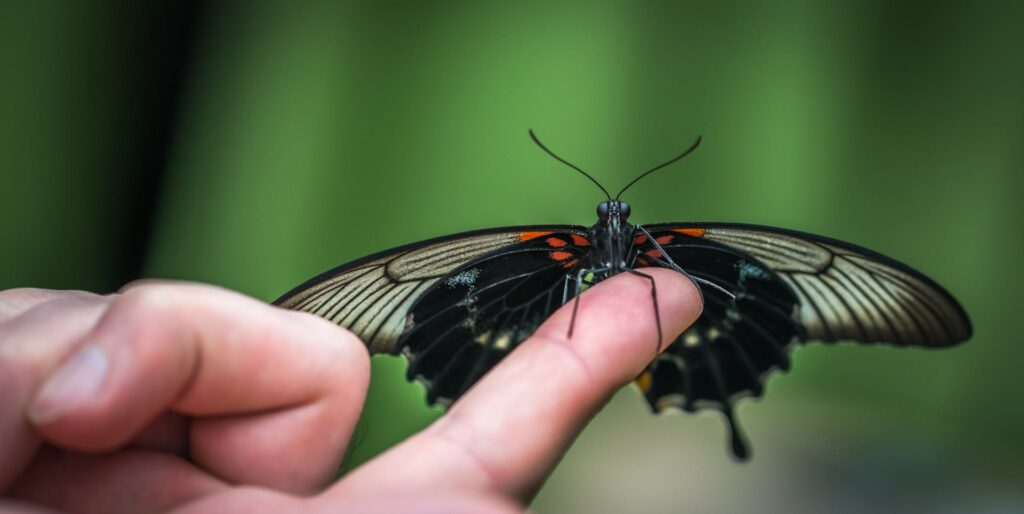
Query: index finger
[[511, 428]]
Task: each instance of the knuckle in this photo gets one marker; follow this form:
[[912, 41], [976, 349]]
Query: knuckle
[[150, 298], [146, 312], [145, 283]]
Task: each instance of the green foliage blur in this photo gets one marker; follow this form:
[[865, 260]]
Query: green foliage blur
[[315, 132]]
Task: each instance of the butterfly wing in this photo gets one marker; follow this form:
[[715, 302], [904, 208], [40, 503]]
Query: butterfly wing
[[372, 296], [851, 293], [789, 287], [453, 306], [476, 315]]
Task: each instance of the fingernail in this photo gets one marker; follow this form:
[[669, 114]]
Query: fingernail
[[76, 382]]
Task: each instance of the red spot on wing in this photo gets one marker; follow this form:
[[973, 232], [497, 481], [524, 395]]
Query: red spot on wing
[[639, 240], [570, 264], [694, 232], [654, 252], [555, 242], [526, 236], [664, 240], [561, 256], [579, 240]]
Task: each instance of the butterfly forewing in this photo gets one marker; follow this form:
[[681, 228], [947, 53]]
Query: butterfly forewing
[[847, 292], [372, 296]]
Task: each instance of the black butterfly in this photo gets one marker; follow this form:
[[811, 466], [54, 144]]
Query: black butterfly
[[456, 305]]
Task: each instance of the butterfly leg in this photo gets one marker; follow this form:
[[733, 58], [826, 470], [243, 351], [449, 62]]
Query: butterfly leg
[[669, 263], [579, 287], [565, 288], [654, 298], [578, 281]]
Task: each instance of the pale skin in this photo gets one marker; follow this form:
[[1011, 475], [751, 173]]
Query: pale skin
[[191, 398]]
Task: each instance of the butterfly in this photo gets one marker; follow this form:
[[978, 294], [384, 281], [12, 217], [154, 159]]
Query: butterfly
[[454, 306]]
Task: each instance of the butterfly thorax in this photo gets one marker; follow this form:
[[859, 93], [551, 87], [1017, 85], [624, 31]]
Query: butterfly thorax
[[612, 237]]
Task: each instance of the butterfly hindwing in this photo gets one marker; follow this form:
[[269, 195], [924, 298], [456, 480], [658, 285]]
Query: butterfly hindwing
[[789, 287], [735, 344], [476, 315]]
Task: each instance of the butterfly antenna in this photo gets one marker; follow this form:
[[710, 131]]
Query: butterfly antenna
[[660, 166], [569, 164]]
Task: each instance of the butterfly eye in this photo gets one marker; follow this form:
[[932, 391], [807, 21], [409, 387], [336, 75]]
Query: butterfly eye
[[624, 210], [602, 211]]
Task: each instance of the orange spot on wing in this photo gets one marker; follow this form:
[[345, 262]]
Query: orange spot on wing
[[695, 232], [653, 252], [554, 242], [579, 240], [639, 240], [664, 240], [561, 256], [526, 236], [569, 264], [644, 381]]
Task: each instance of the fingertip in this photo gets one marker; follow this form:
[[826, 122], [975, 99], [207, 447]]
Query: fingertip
[[680, 302], [324, 329], [75, 383], [616, 329], [343, 347]]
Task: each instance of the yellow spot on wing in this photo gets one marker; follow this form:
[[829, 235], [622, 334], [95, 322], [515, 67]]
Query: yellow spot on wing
[[503, 342], [691, 340]]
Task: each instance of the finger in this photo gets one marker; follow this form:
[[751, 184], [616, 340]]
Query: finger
[[422, 503], [275, 393], [13, 507], [127, 481], [168, 433], [32, 345], [510, 429], [13, 302], [257, 501]]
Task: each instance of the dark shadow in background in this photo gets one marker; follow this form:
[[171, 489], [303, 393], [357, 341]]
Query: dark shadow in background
[[89, 102], [166, 36]]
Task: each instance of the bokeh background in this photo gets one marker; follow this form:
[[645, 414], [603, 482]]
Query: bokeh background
[[255, 144]]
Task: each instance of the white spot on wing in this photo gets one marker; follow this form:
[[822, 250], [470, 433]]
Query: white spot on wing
[[465, 278]]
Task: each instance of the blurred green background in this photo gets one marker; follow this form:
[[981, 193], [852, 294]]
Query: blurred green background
[[256, 144]]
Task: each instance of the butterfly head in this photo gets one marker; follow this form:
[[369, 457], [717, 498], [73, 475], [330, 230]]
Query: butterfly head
[[612, 209]]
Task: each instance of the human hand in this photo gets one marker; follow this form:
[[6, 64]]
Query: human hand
[[191, 398]]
